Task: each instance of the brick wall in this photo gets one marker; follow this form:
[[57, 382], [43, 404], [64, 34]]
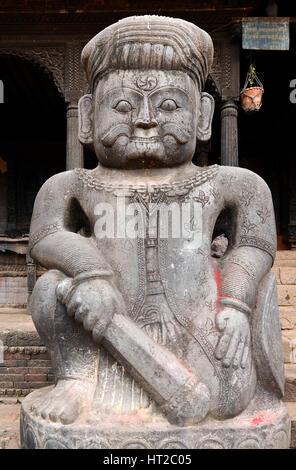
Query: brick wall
[[24, 369], [285, 271], [13, 291]]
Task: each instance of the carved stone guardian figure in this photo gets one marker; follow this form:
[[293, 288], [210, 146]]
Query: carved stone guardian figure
[[156, 339]]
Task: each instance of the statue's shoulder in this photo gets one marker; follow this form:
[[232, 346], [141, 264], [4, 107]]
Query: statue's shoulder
[[234, 176], [59, 183], [64, 177]]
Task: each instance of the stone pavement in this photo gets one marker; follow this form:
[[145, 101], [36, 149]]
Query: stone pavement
[[9, 423]]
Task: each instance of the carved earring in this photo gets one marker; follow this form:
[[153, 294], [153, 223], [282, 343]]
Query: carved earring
[[204, 126], [85, 116]]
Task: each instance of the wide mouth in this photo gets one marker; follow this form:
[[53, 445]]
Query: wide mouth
[[145, 139]]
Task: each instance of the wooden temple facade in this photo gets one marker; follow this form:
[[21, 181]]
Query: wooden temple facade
[[40, 47]]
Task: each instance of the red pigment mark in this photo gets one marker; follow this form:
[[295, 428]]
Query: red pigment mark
[[217, 280], [263, 417], [257, 420]]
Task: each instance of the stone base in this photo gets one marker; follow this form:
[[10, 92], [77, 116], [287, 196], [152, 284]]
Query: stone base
[[267, 429]]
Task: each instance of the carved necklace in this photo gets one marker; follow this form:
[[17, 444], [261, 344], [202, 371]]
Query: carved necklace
[[201, 176]]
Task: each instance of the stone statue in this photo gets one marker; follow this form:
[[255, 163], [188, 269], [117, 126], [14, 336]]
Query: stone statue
[[157, 340]]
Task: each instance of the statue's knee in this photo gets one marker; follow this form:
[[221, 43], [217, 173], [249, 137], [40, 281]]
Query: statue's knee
[[235, 396], [43, 300]]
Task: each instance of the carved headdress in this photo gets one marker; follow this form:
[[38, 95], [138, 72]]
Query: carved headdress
[[149, 42]]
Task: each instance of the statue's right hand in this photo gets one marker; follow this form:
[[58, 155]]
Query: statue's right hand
[[233, 346], [92, 303]]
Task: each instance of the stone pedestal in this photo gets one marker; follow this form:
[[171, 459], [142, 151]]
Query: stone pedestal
[[268, 428]]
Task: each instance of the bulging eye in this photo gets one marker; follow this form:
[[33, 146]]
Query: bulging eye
[[123, 106], [168, 105]]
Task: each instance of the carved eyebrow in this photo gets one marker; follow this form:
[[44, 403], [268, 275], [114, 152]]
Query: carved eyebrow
[[121, 91], [169, 88]]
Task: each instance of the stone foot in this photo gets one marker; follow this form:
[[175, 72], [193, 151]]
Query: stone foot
[[65, 402]]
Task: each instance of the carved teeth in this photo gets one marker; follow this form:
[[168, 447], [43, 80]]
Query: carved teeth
[[145, 139]]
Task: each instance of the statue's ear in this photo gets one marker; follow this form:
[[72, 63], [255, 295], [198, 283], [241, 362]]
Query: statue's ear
[[85, 114], [204, 125]]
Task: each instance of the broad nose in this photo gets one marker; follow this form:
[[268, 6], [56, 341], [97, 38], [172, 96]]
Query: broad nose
[[145, 118]]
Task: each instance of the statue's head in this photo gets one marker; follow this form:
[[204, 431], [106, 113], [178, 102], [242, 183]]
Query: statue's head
[[147, 107]]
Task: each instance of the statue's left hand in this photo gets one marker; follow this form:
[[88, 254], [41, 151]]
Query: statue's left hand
[[234, 343]]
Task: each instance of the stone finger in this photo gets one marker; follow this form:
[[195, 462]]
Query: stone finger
[[72, 307], [90, 320], [110, 308], [115, 304], [245, 355], [238, 355], [222, 346], [62, 289], [231, 349], [101, 325], [220, 322], [80, 314]]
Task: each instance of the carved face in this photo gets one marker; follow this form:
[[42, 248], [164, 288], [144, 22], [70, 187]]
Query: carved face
[[144, 119]]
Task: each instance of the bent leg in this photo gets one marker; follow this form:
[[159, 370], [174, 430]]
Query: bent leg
[[73, 353]]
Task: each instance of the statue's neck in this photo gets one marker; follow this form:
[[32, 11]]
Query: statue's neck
[[145, 175]]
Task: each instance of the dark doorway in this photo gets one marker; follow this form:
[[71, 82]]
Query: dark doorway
[[32, 140], [267, 137]]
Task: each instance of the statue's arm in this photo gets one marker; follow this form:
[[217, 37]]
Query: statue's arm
[[54, 239], [252, 245], [249, 257]]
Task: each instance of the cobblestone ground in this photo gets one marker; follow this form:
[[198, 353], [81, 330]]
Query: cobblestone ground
[[9, 423]]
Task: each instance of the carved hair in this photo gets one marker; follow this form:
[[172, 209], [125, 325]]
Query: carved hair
[[149, 42]]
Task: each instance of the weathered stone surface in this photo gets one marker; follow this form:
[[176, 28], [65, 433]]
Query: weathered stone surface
[[286, 295], [288, 275], [285, 259], [290, 383], [159, 310], [292, 412], [9, 424], [289, 345], [288, 318], [283, 255]]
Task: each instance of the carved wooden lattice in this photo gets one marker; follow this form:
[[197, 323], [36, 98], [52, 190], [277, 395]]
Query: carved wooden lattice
[[51, 59]]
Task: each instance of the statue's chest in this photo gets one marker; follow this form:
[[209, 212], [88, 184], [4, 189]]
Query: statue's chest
[[182, 215], [155, 236], [157, 240], [174, 209]]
